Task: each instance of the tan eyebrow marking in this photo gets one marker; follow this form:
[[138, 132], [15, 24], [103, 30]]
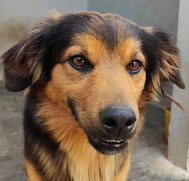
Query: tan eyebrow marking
[[131, 49], [88, 45], [74, 50]]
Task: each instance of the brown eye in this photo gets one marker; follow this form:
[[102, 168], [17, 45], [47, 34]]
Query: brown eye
[[134, 67], [80, 63]]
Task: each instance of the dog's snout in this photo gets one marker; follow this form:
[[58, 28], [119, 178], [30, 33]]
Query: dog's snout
[[117, 121]]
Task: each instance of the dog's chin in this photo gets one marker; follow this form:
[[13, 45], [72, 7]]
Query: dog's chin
[[108, 147]]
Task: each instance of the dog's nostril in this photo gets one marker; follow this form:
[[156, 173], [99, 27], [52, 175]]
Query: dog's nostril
[[110, 123], [129, 123]]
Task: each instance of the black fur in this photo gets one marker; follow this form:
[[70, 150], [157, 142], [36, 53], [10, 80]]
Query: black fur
[[35, 135], [150, 49], [71, 105], [17, 83]]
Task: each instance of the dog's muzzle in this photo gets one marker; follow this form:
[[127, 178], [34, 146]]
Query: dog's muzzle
[[117, 123]]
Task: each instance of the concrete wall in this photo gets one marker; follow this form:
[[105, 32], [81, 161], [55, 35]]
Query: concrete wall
[[178, 150], [17, 17], [157, 13], [39, 8]]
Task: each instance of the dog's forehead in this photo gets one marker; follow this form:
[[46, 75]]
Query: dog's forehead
[[95, 49], [110, 28], [95, 33]]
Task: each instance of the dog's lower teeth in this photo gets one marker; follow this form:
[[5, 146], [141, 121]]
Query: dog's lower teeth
[[114, 141]]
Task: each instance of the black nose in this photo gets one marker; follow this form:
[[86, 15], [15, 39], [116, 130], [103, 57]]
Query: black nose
[[117, 120]]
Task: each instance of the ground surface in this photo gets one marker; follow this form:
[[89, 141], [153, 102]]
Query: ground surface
[[149, 161]]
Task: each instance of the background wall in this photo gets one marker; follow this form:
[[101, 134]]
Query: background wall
[[178, 149], [18, 16], [157, 13]]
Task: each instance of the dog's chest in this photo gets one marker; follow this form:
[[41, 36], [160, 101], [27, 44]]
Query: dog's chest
[[93, 168]]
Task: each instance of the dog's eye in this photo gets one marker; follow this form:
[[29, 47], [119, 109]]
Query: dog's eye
[[80, 63], [135, 66]]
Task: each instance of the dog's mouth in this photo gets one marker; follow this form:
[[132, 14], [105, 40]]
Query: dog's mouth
[[113, 142], [108, 146]]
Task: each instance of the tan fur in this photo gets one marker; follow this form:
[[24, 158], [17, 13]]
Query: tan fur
[[78, 85], [133, 48], [54, 14], [122, 175], [83, 161], [92, 47], [31, 172]]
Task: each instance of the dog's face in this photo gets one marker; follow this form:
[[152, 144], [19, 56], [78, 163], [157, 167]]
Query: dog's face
[[103, 67], [102, 86]]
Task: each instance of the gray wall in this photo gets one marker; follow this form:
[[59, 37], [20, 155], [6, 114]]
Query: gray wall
[[178, 149], [157, 13], [39, 8], [18, 16]]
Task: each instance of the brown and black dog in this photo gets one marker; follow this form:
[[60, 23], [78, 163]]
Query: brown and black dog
[[89, 77]]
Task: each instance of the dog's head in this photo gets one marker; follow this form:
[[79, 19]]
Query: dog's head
[[103, 67]]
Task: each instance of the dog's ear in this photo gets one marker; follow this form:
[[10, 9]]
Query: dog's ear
[[163, 61], [23, 62], [163, 64], [169, 59]]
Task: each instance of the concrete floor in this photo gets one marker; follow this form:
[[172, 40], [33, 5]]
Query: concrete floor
[[149, 161]]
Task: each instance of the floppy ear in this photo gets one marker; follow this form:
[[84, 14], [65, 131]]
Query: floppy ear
[[23, 62], [169, 59], [163, 62]]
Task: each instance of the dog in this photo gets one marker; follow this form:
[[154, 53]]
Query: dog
[[89, 77]]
